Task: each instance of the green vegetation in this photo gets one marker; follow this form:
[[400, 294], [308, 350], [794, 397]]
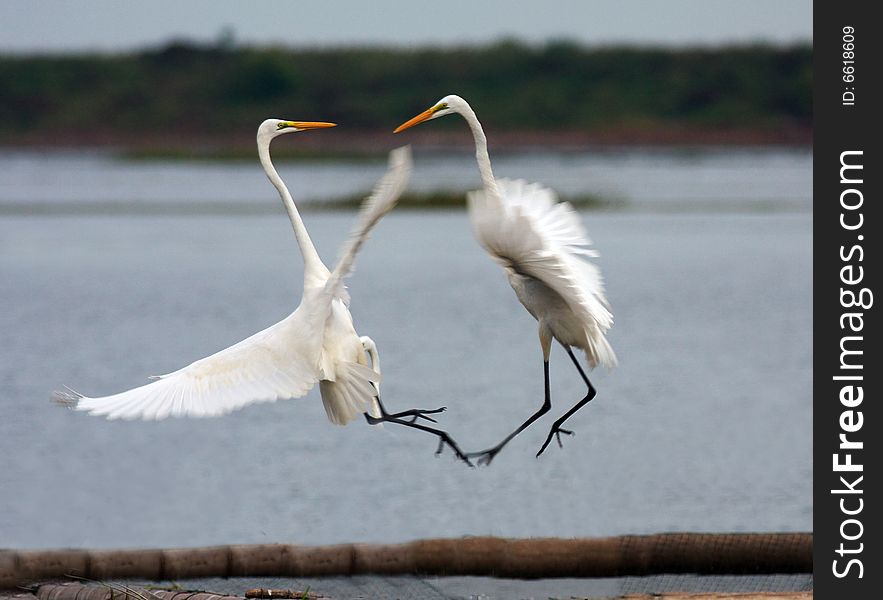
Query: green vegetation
[[436, 200], [184, 89], [449, 199]]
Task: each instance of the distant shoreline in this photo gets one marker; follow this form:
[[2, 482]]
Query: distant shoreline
[[368, 144]]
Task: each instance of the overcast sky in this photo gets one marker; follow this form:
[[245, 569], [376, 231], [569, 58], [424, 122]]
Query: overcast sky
[[107, 25]]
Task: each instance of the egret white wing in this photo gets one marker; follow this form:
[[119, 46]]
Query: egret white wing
[[270, 365], [528, 230], [382, 200], [353, 389]]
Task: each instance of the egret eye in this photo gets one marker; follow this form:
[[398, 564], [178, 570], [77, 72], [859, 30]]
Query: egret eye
[[282, 125]]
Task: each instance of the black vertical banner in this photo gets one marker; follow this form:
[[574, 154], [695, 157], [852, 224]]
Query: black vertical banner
[[847, 171]]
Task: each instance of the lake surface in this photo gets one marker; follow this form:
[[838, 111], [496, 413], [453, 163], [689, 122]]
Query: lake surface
[[641, 178], [705, 425]]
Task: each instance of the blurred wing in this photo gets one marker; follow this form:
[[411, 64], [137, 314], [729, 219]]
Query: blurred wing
[[382, 200], [268, 366], [529, 231]]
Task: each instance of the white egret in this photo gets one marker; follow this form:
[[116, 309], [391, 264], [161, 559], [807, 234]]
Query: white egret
[[543, 247], [315, 343]]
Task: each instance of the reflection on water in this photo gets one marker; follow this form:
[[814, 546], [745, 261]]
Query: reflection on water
[[705, 426]]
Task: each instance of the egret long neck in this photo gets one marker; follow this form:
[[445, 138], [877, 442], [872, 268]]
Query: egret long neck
[[313, 265], [481, 153]]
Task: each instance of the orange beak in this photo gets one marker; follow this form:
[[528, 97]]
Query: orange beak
[[425, 115], [312, 124]]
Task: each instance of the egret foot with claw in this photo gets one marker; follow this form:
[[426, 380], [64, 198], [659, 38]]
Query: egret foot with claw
[[445, 439], [486, 456], [418, 413], [414, 414], [556, 431]]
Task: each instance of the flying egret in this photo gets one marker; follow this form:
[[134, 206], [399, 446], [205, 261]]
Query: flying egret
[[315, 343], [543, 247]]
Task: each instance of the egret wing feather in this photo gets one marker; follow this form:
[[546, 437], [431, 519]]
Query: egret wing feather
[[382, 200], [351, 394], [353, 389], [527, 230], [270, 365]]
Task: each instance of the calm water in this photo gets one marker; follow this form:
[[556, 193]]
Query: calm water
[[705, 426], [746, 178]]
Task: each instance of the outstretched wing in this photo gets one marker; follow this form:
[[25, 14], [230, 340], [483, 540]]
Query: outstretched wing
[[270, 365], [382, 200], [528, 230]]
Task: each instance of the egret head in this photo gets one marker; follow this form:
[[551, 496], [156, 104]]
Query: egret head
[[445, 106], [275, 127]]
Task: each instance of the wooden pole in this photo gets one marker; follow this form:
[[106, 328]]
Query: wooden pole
[[699, 553]]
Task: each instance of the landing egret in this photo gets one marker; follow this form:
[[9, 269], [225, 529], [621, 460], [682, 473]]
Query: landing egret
[[543, 247], [315, 343]]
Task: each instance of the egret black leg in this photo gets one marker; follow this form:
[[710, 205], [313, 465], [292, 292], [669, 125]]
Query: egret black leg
[[443, 436], [486, 456], [416, 413], [556, 426]]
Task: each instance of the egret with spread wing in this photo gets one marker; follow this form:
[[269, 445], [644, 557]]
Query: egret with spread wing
[[315, 343], [543, 248]]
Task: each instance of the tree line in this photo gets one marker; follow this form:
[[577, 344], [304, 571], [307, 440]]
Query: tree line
[[185, 87]]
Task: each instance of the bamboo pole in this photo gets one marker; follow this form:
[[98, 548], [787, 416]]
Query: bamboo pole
[[699, 553]]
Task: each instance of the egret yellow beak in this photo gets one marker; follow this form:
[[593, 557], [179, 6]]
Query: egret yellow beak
[[424, 116], [308, 124]]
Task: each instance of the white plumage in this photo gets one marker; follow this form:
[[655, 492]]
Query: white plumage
[[544, 249], [315, 343]]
